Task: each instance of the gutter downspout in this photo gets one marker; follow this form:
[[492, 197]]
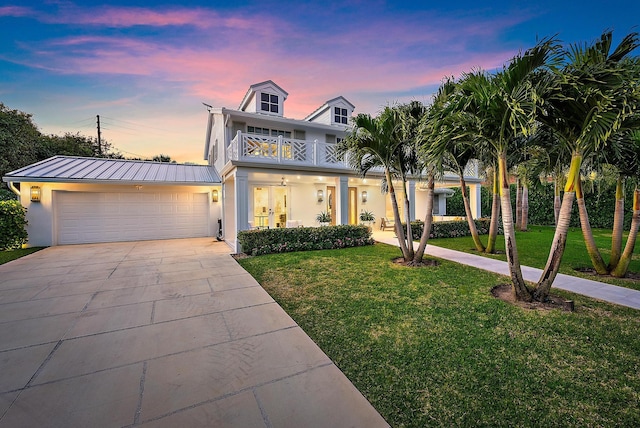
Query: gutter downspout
[[13, 188]]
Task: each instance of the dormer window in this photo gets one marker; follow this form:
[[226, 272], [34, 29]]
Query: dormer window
[[269, 103], [340, 115]]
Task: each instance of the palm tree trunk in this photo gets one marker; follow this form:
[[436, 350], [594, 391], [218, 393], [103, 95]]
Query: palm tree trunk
[[524, 221], [520, 289], [518, 204], [587, 233], [623, 265], [618, 225], [428, 220], [560, 237], [556, 200], [407, 216], [495, 213], [467, 209], [396, 218]]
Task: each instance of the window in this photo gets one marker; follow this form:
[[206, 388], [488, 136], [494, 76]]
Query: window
[[332, 139], [269, 103], [276, 132], [257, 130], [267, 131], [340, 115]]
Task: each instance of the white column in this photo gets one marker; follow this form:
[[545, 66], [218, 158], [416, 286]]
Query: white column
[[412, 199], [242, 199], [474, 200], [343, 201]]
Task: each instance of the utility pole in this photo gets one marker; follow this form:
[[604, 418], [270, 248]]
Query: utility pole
[[99, 139]]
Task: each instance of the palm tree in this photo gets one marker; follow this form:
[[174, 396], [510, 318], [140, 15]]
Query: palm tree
[[373, 142], [506, 105], [629, 168], [591, 98], [408, 117], [458, 154], [453, 137], [428, 134]]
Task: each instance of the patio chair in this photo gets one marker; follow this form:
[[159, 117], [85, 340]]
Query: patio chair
[[387, 223]]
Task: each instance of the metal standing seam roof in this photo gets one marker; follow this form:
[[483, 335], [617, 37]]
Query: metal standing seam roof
[[71, 169]]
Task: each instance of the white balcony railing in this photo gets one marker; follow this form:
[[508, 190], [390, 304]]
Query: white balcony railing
[[279, 150]]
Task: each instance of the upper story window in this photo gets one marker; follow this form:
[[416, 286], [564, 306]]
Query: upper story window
[[340, 115], [269, 103], [267, 131]]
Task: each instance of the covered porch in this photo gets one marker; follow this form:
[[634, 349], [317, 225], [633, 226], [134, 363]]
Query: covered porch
[[261, 199]]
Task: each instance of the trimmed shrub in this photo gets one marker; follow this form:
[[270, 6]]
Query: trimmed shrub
[[13, 222], [450, 229], [266, 241]]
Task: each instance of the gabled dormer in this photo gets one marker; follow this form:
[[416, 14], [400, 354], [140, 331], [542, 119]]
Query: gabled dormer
[[336, 111], [265, 98]]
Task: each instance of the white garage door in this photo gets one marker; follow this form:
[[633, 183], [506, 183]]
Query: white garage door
[[83, 217]]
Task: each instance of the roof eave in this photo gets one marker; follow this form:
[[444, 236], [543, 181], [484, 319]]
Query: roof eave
[[20, 179]]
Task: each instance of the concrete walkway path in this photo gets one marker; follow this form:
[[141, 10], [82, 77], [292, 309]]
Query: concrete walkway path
[[159, 334], [586, 287]]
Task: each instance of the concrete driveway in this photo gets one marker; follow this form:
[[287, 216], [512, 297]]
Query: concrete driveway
[[158, 333]]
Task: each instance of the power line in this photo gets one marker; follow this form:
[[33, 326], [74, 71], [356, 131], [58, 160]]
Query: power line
[[89, 120], [139, 124]]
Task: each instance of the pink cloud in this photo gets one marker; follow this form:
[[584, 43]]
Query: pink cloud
[[15, 11], [367, 65]]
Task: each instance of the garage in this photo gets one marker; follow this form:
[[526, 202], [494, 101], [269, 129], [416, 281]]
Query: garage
[[76, 200], [83, 217]]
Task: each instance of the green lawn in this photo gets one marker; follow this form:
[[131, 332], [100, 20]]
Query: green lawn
[[533, 249], [431, 347], [9, 255]]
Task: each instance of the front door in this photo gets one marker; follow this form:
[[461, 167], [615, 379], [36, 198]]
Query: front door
[[353, 205], [331, 203], [269, 206]]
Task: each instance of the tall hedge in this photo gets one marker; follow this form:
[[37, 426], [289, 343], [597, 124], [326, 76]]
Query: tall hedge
[[600, 205], [450, 229], [13, 222]]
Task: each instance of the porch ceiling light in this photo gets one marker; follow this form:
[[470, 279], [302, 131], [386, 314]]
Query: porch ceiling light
[[364, 196], [320, 195], [36, 194], [214, 195]]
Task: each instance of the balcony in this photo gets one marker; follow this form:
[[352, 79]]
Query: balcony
[[284, 151], [262, 149]]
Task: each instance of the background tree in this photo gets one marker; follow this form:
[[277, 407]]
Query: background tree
[[19, 139]]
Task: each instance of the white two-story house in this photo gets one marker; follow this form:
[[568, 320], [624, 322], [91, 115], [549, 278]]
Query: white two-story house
[[265, 170], [282, 172]]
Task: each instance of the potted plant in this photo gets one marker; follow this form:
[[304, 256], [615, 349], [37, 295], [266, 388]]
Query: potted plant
[[367, 217], [324, 218]]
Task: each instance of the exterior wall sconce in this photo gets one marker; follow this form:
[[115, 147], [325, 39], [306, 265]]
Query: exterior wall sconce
[[320, 196], [214, 195], [36, 194], [364, 196]]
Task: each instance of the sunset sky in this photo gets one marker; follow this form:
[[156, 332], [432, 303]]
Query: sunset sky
[[146, 67]]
